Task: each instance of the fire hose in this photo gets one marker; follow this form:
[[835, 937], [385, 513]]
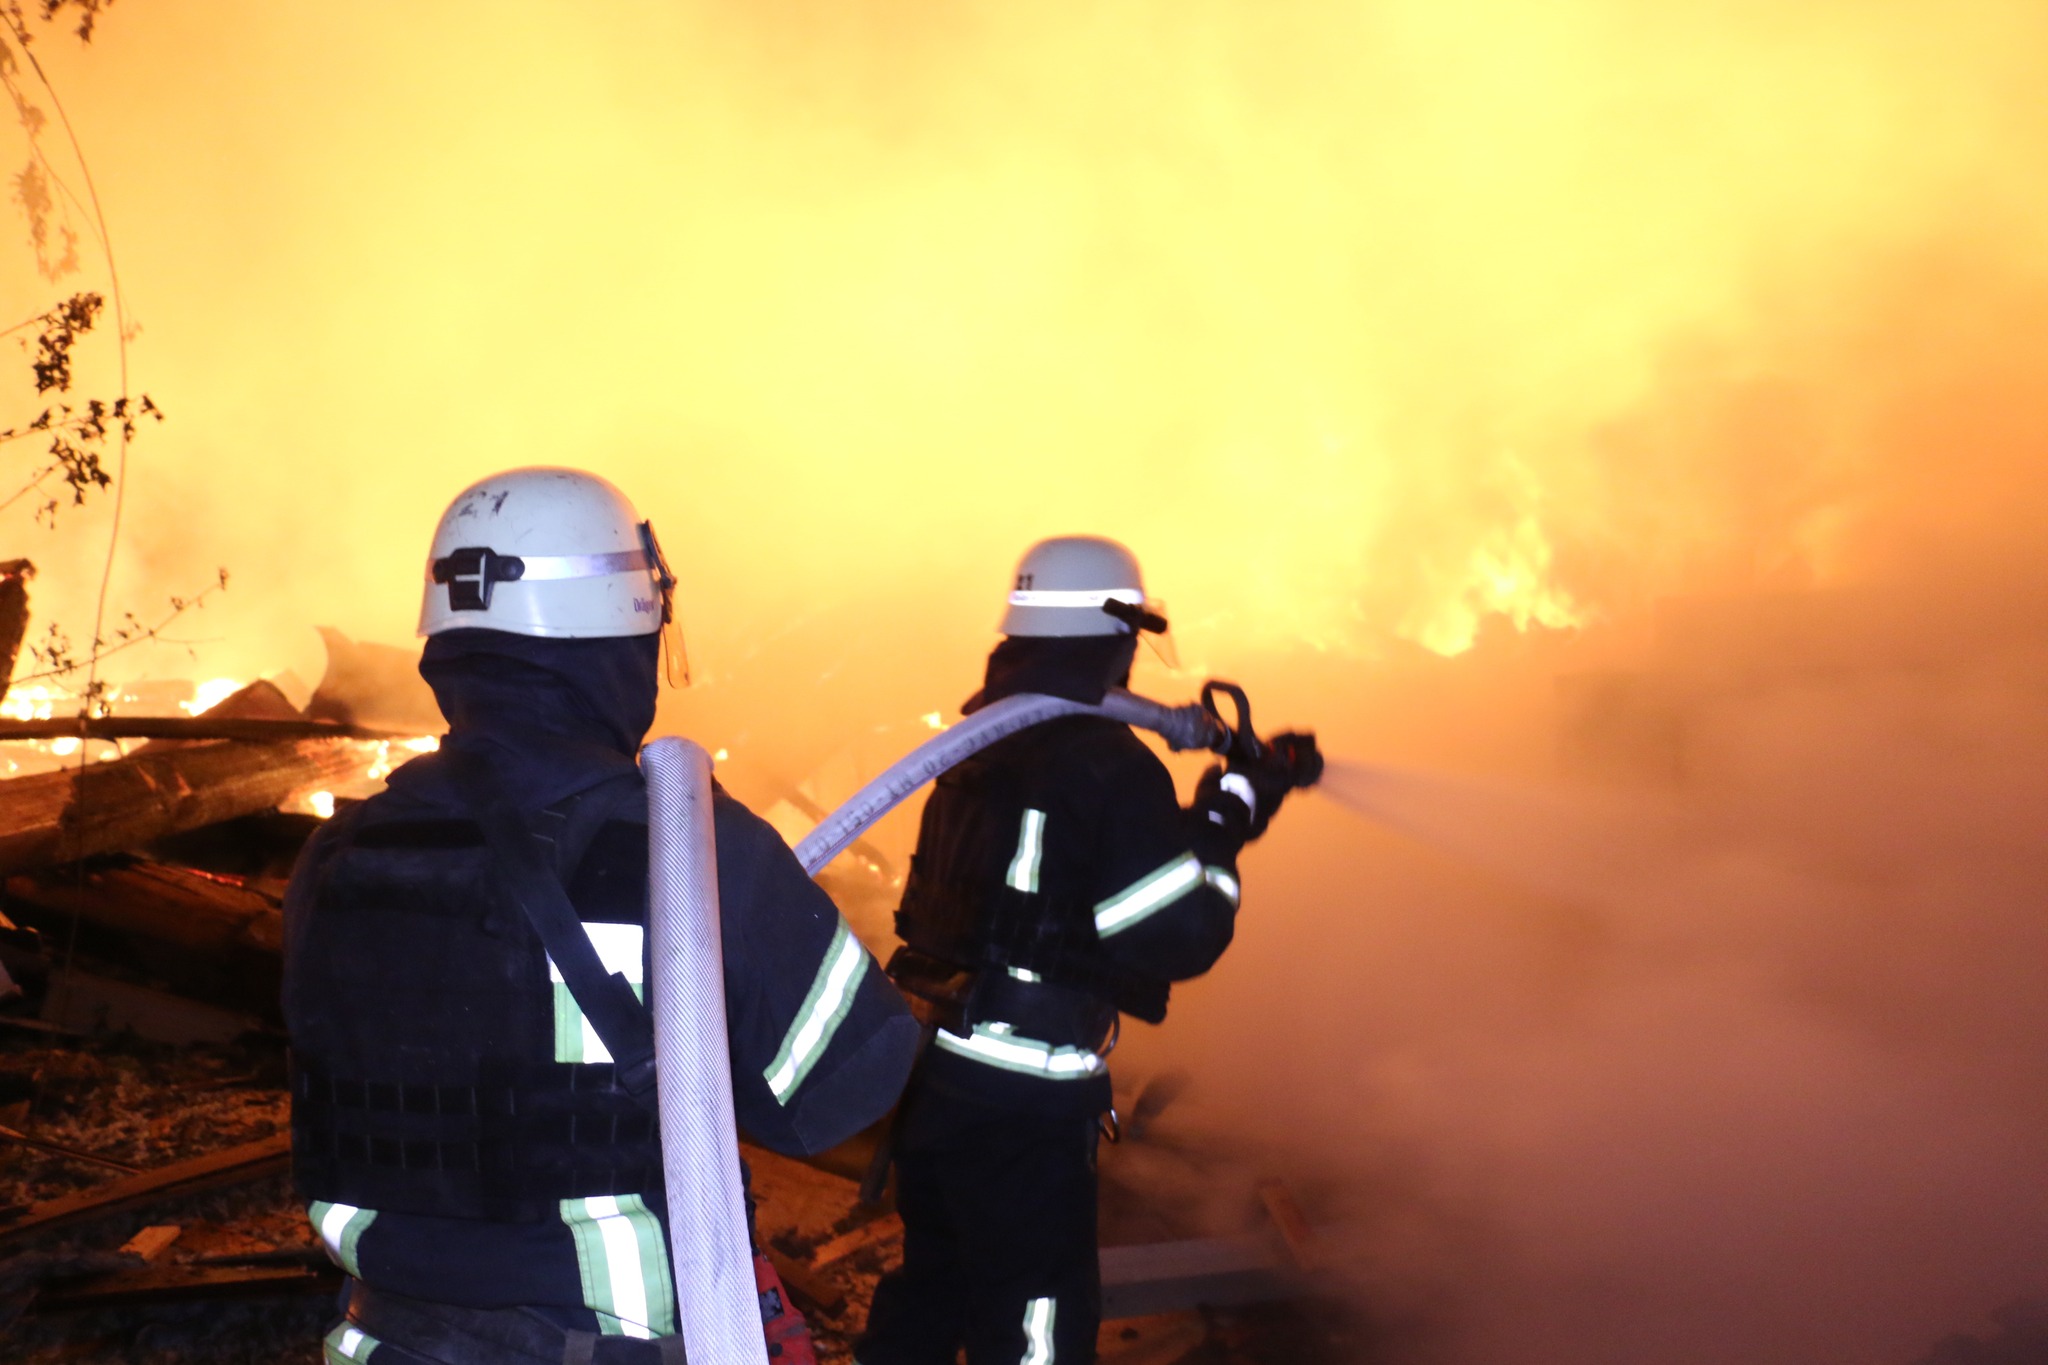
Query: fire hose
[[1197, 725], [712, 1255], [707, 1217]]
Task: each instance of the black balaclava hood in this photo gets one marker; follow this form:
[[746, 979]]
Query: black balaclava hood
[[553, 716], [1077, 667]]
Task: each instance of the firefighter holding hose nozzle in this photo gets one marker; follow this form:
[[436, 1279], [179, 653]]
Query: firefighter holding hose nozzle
[[1058, 884], [474, 1117]]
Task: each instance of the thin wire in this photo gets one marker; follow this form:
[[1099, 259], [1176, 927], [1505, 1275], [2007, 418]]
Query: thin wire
[[121, 465], [99, 615]]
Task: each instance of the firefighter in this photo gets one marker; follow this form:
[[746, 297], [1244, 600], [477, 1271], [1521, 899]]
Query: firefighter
[[473, 1116], [1058, 883]]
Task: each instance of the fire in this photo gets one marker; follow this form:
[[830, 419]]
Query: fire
[[209, 694], [1507, 575]]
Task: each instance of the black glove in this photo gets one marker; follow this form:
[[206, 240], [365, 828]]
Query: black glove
[[1222, 822], [1265, 784]]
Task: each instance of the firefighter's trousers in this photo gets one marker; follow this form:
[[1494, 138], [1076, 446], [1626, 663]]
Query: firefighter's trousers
[[998, 1210]]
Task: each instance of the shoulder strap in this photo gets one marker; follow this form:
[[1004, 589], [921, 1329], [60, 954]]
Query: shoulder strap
[[606, 998]]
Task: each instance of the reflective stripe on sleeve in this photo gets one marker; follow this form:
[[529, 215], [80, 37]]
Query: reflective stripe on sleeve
[[348, 1345], [624, 1265], [1224, 882], [1030, 848], [619, 949], [341, 1228], [830, 998], [995, 1045], [1148, 895], [1038, 1318]]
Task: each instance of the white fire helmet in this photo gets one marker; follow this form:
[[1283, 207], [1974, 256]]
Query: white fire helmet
[[551, 552], [1062, 586]]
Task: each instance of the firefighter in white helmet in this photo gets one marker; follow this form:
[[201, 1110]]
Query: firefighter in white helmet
[[473, 1119], [1058, 884]]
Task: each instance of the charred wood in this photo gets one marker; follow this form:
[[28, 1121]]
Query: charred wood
[[158, 1284], [207, 726], [164, 788], [237, 1165], [14, 577]]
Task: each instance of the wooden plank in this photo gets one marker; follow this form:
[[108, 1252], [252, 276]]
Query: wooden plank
[[63, 817], [22, 1139], [234, 1166], [156, 1284], [206, 726], [794, 1197], [171, 905], [1302, 1247], [887, 1228], [153, 1241], [1171, 1277], [813, 1295]]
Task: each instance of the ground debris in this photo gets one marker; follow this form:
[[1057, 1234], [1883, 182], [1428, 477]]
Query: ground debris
[[156, 1106]]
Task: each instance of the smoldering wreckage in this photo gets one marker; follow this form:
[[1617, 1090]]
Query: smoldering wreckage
[[144, 1129]]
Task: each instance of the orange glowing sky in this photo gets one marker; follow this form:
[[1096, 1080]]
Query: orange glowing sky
[[1360, 321]]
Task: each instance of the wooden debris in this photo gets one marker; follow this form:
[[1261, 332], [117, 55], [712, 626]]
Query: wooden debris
[[795, 1198], [22, 1139], [206, 726], [1155, 1339], [1170, 1277], [1302, 1247], [236, 1165], [153, 1241], [209, 937], [157, 1284], [163, 788], [887, 1228], [86, 1003], [813, 1295], [14, 577], [374, 685]]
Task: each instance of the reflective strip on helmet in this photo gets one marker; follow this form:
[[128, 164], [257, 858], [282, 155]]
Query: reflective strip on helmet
[[830, 998], [341, 1228], [1223, 882], [1023, 974], [994, 1044], [624, 1265], [554, 568], [348, 1345], [619, 950], [1030, 847], [1076, 597], [1038, 1318], [1148, 895]]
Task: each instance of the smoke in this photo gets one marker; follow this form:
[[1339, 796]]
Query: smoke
[[1426, 352]]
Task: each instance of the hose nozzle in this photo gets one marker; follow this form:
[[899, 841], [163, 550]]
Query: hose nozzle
[[1291, 755]]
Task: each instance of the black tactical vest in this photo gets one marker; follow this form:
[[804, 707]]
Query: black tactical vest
[[423, 1025], [959, 906]]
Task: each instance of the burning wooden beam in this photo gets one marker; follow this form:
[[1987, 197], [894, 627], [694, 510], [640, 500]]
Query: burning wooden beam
[[167, 787], [207, 726]]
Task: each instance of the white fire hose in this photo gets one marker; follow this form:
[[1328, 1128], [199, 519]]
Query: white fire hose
[[707, 1213], [707, 1220], [1182, 727]]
